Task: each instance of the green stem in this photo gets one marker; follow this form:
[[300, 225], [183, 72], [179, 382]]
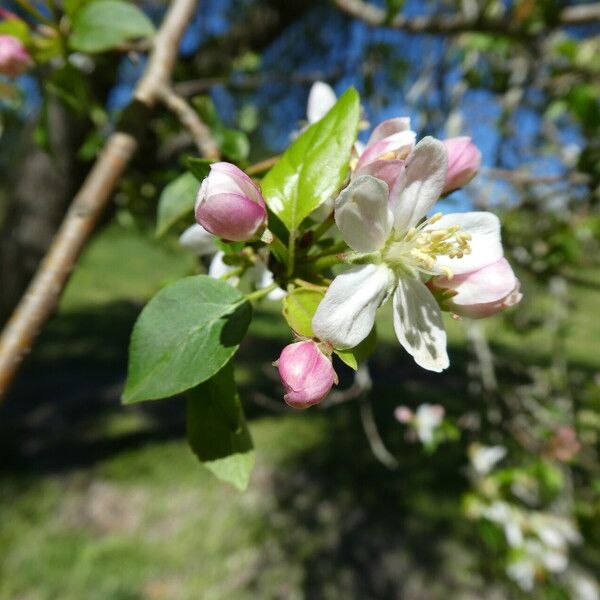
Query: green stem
[[35, 13], [233, 273], [291, 253], [325, 262], [258, 294], [279, 247], [335, 249], [323, 228]]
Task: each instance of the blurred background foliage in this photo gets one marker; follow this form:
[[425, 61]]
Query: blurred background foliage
[[101, 501]]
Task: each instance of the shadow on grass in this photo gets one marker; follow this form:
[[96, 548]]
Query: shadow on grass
[[350, 527]]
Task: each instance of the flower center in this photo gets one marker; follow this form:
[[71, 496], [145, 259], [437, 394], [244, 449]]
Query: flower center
[[418, 248]]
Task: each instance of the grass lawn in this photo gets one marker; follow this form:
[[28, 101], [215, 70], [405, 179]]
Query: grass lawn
[[100, 501]]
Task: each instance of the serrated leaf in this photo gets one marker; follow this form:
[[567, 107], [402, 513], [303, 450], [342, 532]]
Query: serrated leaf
[[184, 335], [105, 24], [198, 167], [312, 169], [217, 431], [176, 201], [354, 356], [299, 308]]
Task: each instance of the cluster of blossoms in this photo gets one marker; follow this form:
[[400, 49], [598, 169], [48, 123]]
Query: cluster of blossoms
[[539, 541], [425, 264], [14, 57]]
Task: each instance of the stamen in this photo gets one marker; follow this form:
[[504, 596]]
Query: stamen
[[448, 272]]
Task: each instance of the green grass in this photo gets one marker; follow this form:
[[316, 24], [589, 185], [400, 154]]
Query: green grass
[[100, 501]]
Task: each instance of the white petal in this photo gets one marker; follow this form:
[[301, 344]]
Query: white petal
[[197, 240], [218, 268], [421, 184], [363, 215], [419, 326], [321, 99], [346, 315], [389, 127], [260, 275], [486, 245]]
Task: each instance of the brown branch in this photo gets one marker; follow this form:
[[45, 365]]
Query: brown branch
[[521, 177], [456, 24], [191, 121], [44, 291], [250, 82]]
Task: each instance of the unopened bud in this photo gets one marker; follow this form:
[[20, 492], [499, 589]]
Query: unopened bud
[[14, 58], [306, 373], [464, 160], [481, 293], [229, 204]]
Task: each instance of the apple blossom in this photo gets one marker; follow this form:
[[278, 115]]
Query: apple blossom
[[306, 374], [229, 204], [398, 249], [464, 160], [482, 292], [14, 58], [198, 241], [321, 99], [385, 152], [484, 458], [203, 243]]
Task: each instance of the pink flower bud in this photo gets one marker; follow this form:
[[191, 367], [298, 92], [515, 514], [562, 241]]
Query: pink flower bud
[[306, 373], [481, 293], [14, 58], [383, 156], [404, 414], [464, 160], [229, 204]]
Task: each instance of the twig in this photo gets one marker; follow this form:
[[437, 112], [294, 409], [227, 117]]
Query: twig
[[456, 24], [524, 178], [44, 291], [359, 390], [249, 82], [382, 454], [191, 121], [262, 166]]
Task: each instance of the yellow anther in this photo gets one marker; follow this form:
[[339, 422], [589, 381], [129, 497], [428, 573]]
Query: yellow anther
[[435, 218], [439, 234], [410, 234], [387, 156], [453, 229]]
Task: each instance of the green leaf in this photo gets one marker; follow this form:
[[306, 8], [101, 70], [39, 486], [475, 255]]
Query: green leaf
[[299, 308], [233, 144], [176, 201], [184, 335], [105, 24], [354, 356], [217, 429], [312, 169], [199, 167]]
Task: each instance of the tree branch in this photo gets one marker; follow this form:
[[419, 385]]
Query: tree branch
[[44, 291], [456, 24], [191, 121]]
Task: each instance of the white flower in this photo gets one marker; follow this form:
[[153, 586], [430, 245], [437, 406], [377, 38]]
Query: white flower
[[202, 243], [509, 518], [484, 458], [403, 250], [321, 99], [428, 418]]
